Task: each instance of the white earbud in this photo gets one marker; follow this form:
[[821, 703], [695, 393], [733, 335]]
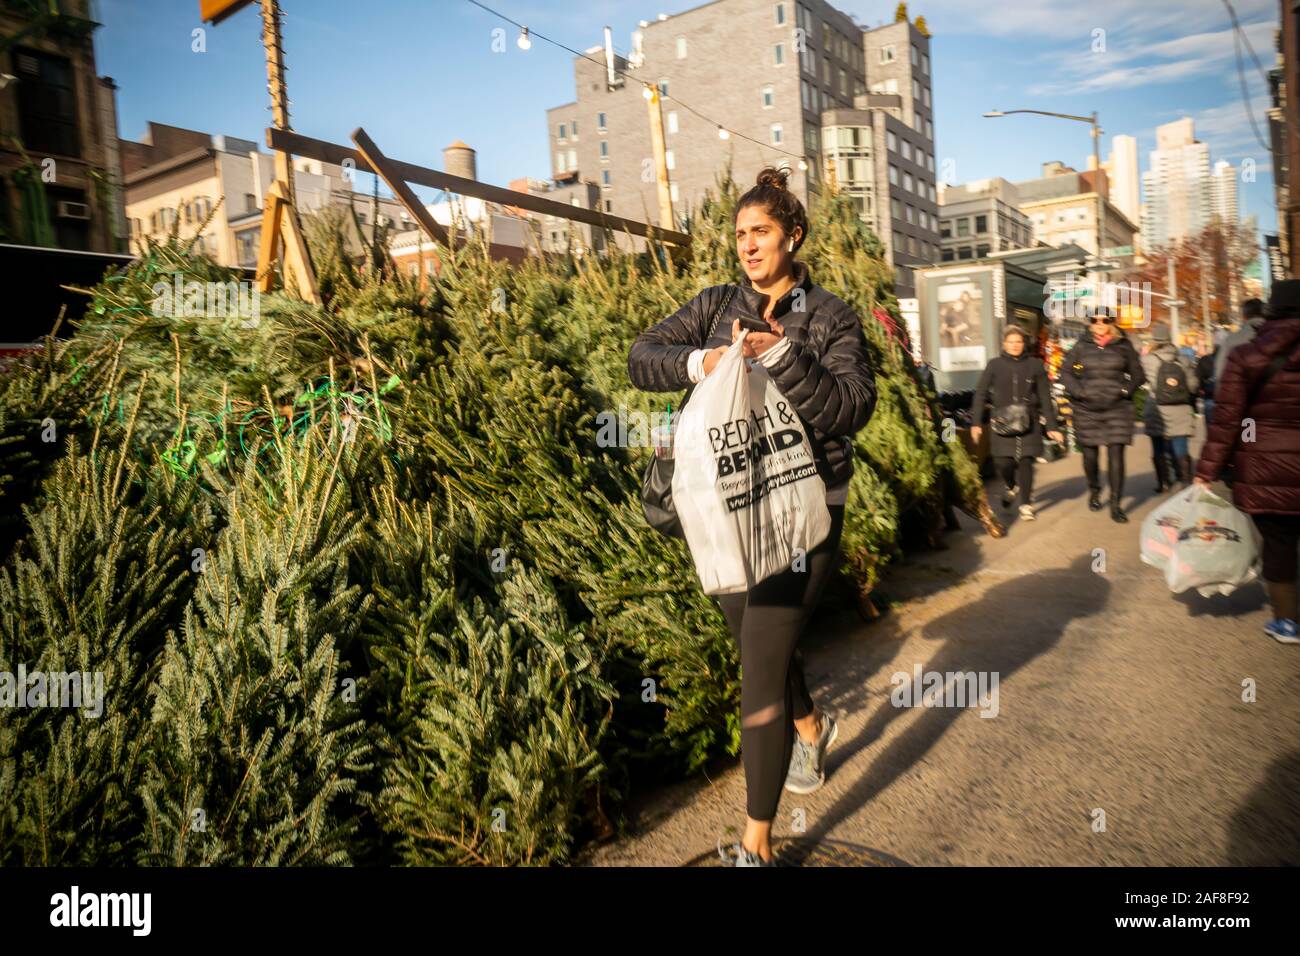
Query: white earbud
[[790, 246]]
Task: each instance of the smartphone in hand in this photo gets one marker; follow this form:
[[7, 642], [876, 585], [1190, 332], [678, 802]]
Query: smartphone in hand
[[754, 323]]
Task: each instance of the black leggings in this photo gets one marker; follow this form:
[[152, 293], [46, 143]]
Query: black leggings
[[1114, 468], [767, 621], [1281, 534], [1017, 474]]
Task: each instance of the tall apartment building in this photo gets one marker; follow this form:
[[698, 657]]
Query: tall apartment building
[[981, 217], [1125, 176], [1176, 186], [1223, 191], [59, 150], [794, 76]]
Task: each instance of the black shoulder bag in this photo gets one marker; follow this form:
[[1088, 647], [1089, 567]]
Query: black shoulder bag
[[657, 485], [1013, 419]]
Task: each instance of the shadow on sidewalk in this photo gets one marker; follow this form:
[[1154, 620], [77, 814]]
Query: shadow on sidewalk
[[1265, 830], [987, 636]]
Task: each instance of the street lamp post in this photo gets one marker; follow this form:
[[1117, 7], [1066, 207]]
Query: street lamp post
[[1096, 160]]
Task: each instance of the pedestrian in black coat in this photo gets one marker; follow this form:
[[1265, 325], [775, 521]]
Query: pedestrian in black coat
[[1100, 375], [1015, 376]]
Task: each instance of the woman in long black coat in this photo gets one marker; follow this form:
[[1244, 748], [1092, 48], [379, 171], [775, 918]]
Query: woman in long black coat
[[1016, 376], [1100, 374]]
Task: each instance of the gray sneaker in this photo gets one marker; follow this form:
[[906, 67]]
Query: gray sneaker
[[737, 855], [808, 761]]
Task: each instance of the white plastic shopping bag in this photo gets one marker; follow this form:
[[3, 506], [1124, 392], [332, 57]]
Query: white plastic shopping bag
[[745, 483], [1205, 542]]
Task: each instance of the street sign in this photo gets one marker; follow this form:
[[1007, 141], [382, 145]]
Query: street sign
[[1072, 292], [1118, 251]]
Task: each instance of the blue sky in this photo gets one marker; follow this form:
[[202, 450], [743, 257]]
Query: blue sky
[[421, 73]]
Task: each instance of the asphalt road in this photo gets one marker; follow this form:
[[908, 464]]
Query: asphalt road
[[1114, 697]]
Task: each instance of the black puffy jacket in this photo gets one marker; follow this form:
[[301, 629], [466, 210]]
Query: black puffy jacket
[[1100, 381], [824, 372]]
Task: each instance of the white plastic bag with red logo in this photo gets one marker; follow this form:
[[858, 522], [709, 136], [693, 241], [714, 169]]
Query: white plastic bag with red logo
[[745, 483], [1201, 541]]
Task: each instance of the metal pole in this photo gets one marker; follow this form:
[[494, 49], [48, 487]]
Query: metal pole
[[1173, 300], [1101, 200]]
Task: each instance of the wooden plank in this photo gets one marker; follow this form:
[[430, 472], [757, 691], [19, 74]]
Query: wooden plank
[[327, 152], [269, 249], [378, 162]]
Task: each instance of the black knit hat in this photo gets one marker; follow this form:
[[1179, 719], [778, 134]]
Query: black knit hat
[[1283, 299]]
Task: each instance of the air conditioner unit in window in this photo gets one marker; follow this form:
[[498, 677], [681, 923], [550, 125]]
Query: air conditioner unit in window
[[73, 210]]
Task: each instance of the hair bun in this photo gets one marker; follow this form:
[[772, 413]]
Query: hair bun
[[776, 178]]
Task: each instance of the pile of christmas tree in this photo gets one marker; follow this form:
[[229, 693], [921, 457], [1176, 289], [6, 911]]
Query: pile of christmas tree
[[361, 583]]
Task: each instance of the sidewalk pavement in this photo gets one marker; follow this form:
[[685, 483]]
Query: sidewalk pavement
[[1118, 703]]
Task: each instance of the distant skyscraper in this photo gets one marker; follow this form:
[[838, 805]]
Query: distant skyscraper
[[1177, 186], [1122, 168], [1223, 191]]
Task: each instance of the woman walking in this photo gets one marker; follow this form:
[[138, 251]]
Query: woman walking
[[816, 354], [1100, 374], [1015, 378], [1169, 415], [1260, 385]]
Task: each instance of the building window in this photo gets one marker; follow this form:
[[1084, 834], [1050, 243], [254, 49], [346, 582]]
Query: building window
[[893, 175], [963, 252], [844, 83], [907, 150], [981, 251], [925, 63], [564, 131], [776, 134], [898, 242], [575, 129], [672, 121], [911, 215], [945, 228], [573, 159], [604, 149], [604, 176], [931, 187], [915, 57], [804, 95], [778, 54], [672, 191], [767, 98], [929, 131], [892, 140], [907, 182], [609, 205], [895, 207], [669, 161], [926, 96], [600, 121], [559, 162], [963, 226], [887, 54], [946, 255], [780, 14], [681, 48], [916, 89], [47, 102], [810, 139], [981, 224]]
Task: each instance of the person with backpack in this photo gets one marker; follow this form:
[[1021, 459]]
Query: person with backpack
[[1205, 372], [1256, 430], [816, 353], [1252, 320], [1169, 414], [1014, 395], [1101, 373]]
